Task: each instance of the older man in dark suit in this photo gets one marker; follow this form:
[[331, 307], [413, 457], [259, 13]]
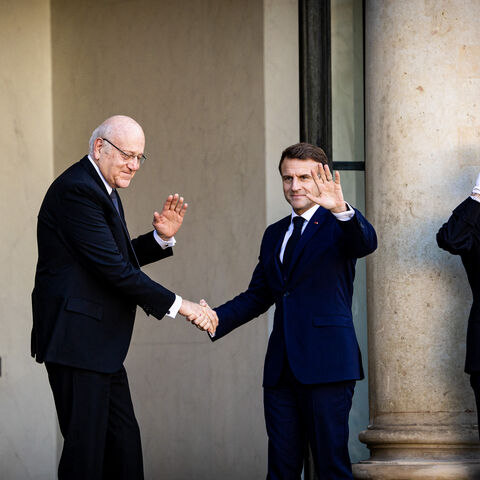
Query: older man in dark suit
[[88, 283], [306, 268], [461, 236]]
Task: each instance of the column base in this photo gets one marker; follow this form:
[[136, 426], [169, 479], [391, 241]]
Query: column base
[[416, 471], [420, 453]]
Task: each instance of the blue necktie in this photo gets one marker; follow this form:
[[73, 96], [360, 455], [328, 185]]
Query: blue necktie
[[114, 197], [292, 241]]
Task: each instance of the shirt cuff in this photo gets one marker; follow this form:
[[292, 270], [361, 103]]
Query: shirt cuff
[[345, 216], [476, 188], [172, 313], [475, 198], [164, 243]]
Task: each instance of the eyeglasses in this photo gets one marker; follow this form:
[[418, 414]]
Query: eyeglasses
[[128, 157]]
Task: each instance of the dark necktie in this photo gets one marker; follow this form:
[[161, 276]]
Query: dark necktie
[[114, 197], [292, 241]]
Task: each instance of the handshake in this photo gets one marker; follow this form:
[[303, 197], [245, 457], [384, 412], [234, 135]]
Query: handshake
[[199, 314]]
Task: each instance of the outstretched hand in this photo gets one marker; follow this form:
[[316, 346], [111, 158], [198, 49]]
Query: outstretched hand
[[168, 222], [330, 195]]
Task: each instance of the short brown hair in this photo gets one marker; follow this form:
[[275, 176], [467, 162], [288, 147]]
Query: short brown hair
[[303, 151]]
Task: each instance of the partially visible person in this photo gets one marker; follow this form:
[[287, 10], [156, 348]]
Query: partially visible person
[[88, 283], [461, 236]]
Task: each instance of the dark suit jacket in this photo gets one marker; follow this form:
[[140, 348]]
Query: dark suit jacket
[[461, 236], [88, 279], [313, 318]]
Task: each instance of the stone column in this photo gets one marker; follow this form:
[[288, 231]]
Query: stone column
[[422, 77]]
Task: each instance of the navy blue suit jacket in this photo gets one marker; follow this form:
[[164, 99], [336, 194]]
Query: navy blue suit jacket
[[313, 323], [88, 280]]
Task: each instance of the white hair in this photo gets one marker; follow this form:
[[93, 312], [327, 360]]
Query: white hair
[[101, 131]]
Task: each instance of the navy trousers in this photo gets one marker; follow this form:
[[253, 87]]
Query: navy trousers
[[297, 415], [100, 431]]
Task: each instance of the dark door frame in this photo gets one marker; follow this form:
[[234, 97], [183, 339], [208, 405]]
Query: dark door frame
[[316, 78]]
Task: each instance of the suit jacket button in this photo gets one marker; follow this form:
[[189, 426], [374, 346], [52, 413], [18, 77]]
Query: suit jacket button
[[286, 294]]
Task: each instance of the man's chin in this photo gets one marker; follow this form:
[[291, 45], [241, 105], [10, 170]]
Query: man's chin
[[298, 204], [301, 207], [123, 183]]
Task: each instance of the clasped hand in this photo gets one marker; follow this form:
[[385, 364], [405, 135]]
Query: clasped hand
[[202, 316]]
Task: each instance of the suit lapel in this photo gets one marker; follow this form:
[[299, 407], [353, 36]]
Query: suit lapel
[[85, 162], [120, 207], [283, 227], [125, 229]]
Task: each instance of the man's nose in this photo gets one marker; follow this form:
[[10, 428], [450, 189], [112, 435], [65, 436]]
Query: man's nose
[[295, 184], [133, 165]]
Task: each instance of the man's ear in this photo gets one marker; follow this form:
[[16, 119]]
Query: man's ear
[[97, 147]]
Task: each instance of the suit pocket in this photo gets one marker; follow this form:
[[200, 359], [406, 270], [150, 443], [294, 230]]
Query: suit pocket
[[332, 321], [85, 307]]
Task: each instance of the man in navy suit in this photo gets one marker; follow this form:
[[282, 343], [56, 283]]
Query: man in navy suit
[[306, 268], [88, 283]]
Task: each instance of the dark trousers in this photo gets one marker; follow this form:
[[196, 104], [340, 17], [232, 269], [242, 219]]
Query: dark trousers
[[100, 431], [475, 384], [297, 414]]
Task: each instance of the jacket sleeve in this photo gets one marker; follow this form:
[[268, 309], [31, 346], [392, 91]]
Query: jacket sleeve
[[246, 306], [359, 237], [461, 232], [148, 250], [84, 225]]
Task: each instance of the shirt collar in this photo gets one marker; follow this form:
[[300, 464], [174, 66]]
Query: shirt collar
[[306, 215], [107, 186]]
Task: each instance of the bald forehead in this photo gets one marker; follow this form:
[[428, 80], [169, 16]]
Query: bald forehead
[[121, 126]]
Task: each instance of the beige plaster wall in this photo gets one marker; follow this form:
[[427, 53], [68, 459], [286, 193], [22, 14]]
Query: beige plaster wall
[[27, 416], [282, 107], [191, 72]]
